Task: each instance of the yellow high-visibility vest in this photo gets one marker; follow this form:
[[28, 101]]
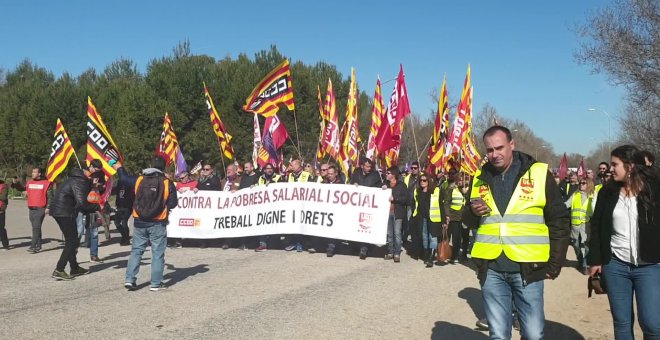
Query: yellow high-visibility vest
[[597, 189], [435, 214], [580, 213], [263, 181], [521, 232], [457, 199], [304, 177]]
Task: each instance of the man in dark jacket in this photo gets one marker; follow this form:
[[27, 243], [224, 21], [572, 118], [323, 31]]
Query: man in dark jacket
[[398, 203], [124, 202], [148, 228], [523, 234], [250, 177], [365, 176], [69, 199]]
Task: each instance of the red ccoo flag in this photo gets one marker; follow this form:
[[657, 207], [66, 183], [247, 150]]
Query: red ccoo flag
[[582, 170], [389, 134], [563, 167]]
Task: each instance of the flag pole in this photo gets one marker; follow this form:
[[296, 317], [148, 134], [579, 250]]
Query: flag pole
[[77, 160], [425, 148], [414, 136], [295, 121], [222, 158]]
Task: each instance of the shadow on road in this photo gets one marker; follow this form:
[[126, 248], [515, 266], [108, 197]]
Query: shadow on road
[[473, 297], [177, 275], [555, 330], [449, 331]]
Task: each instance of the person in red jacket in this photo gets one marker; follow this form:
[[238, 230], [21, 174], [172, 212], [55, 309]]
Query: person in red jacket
[[38, 193]]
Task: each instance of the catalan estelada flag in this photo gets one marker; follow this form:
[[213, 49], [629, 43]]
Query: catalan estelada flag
[[61, 152], [224, 138], [168, 144], [99, 141], [273, 90]]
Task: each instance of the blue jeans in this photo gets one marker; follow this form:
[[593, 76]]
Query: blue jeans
[[622, 281], [498, 290], [93, 236], [80, 226], [428, 241], [156, 233], [394, 239]]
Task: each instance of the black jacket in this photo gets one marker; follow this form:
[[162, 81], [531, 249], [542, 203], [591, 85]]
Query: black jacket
[[556, 216], [248, 180], [209, 183], [648, 222], [371, 179], [71, 196], [401, 200]]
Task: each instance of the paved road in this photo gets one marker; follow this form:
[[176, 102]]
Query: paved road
[[215, 293]]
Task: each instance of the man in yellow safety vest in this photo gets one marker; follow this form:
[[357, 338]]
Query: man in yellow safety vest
[[522, 237]]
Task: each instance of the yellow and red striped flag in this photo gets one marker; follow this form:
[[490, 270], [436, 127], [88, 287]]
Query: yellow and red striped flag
[[350, 136], [61, 152], [471, 157], [167, 146], [377, 116], [440, 130], [224, 138], [459, 127], [274, 89], [320, 149], [100, 144], [331, 134]]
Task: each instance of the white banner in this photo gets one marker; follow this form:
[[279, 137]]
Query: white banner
[[343, 212]]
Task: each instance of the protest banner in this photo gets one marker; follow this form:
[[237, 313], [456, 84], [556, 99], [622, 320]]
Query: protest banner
[[344, 212]]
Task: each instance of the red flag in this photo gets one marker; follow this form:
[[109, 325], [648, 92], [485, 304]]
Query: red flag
[[582, 170], [389, 133], [563, 167], [274, 136]]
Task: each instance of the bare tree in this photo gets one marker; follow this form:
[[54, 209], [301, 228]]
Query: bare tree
[[623, 41]]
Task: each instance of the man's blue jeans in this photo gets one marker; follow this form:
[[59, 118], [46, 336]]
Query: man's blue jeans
[[156, 233], [622, 280], [394, 239], [498, 290]]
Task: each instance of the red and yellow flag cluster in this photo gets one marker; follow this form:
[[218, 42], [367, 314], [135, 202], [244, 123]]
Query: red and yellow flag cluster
[[273, 90], [455, 147], [61, 152]]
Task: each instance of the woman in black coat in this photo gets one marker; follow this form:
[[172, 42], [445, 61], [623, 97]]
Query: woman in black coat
[[624, 244], [427, 219]]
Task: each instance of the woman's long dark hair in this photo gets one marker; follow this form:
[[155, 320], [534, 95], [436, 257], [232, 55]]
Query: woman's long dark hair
[[430, 182], [642, 178]]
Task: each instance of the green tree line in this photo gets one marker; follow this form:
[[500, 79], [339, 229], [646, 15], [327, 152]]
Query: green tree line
[[133, 105]]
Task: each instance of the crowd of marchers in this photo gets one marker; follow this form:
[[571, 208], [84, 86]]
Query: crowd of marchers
[[514, 218]]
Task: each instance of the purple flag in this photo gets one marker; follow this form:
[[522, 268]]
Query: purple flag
[[181, 165]]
